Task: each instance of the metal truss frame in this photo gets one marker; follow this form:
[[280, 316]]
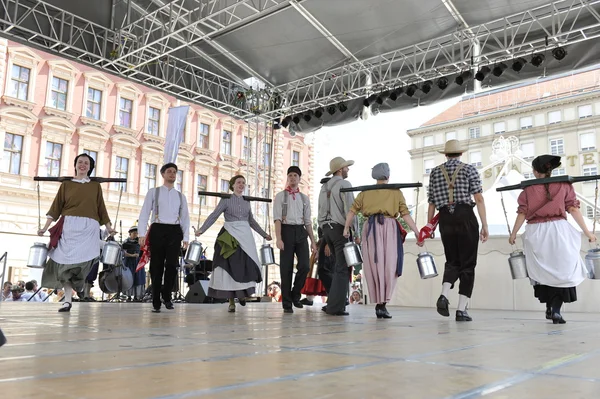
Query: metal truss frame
[[147, 50], [563, 22]]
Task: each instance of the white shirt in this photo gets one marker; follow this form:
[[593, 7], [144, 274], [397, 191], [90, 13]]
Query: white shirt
[[168, 211], [298, 210]]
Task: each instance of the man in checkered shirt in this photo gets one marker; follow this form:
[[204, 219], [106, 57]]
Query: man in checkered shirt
[[454, 189]]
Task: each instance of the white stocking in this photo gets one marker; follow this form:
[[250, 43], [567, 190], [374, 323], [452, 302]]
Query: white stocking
[[462, 303], [68, 292], [446, 289]]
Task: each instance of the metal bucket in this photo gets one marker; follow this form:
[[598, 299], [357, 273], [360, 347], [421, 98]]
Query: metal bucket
[[518, 266], [267, 256], [193, 253], [37, 256], [352, 254], [426, 264], [592, 263], [111, 253]]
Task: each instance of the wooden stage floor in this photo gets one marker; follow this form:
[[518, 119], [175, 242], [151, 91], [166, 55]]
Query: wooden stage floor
[[105, 350]]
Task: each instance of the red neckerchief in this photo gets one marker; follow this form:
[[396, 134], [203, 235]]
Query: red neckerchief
[[292, 192]]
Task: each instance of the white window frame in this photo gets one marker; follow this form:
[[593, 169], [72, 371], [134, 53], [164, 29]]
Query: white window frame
[[203, 136], [451, 136], [148, 178], [96, 81], [247, 147], [590, 141], [528, 122], [585, 111], [208, 118], [66, 71], [559, 172], [94, 155], [60, 160], [292, 161], [23, 57], [589, 170], [156, 100], [130, 92], [430, 138], [126, 146], [479, 163], [474, 132], [179, 181], [426, 162], [557, 145], [58, 130], [224, 185], [499, 127], [223, 148], [552, 117], [201, 198], [532, 155], [150, 120], [12, 152], [116, 186], [18, 79]]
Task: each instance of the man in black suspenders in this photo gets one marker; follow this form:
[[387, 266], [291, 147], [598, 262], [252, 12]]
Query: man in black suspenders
[[451, 186], [293, 224], [170, 226], [333, 208]]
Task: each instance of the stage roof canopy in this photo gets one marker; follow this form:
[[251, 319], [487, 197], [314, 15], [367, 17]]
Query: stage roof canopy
[[277, 58]]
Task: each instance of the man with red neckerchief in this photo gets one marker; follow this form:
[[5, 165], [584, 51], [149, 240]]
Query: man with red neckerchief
[[293, 224]]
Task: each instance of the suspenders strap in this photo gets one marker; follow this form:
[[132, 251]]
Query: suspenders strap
[[451, 182]]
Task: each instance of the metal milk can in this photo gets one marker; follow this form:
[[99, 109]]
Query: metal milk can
[[193, 253], [37, 256], [518, 266], [426, 264]]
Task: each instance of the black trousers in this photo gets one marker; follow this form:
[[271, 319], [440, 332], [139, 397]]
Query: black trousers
[[165, 245], [334, 236], [326, 266], [294, 243], [460, 235]]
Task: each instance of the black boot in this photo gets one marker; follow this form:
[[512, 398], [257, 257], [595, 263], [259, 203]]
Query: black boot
[[383, 313], [548, 312]]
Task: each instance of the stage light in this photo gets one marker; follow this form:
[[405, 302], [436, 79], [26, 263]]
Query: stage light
[[559, 53], [343, 108], [411, 90], [426, 86], [331, 109], [537, 59], [381, 97], [499, 69], [277, 123], [482, 73], [442, 83], [286, 121], [368, 101], [463, 77], [296, 119], [308, 116], [319, 112], [397, 92], [518, 64]]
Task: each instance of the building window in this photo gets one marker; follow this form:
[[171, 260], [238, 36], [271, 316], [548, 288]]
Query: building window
[[267, 155], [121, 168], [554, 117], [202, 185], [475, 158], [450, 136], [587, 141], [179, 181], [528, 175], [559, 172], [528, 150], [499, 127], [150, 175], [125, 111], [226, 143], [295, 158], [585, 111], [153, 120], [58, 93], [94, 156], [19, 82], [224, 186], [428, 165], [427, 141], [557, 147], [53, 157], [203, 135], [247, 147], [474, 132], [590, 170], [13, 147], [94, 104], [526, 122]]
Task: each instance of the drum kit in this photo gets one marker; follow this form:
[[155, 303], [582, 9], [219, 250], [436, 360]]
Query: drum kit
[[116, 278]]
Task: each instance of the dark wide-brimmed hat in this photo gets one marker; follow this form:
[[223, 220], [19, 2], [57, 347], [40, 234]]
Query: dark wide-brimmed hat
[[545, 163]]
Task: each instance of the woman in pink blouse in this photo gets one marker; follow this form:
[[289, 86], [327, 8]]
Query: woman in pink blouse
[[551, 243]]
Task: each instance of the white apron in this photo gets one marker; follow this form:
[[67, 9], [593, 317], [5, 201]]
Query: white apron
[[552, 254]]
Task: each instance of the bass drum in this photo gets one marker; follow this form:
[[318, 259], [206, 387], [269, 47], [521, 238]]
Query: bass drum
[[102, 282], [112, 277]]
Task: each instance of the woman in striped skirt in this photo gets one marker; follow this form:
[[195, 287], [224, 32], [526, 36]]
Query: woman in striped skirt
[[80, 203], [235, 262]]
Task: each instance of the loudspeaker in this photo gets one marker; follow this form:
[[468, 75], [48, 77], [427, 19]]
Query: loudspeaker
[[197, 292]]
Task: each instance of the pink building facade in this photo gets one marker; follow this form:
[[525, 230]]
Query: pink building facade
[[53, 109]]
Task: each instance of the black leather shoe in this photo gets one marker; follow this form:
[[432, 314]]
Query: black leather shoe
[[65, 308], [341, 313], [169, 305], [548, 314], [442, 306], [2, 338], [558, 319], [298, 304], [324, 308], [463, 316], [155, 310], [288, 310], [306, 302], [242, 301], [384, 313]]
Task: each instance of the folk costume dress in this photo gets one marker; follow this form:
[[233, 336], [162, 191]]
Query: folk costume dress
[[382, 240], [235, 262], [81, 204], [552, 245]]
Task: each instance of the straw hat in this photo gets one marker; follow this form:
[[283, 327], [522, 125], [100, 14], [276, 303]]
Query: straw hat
[[453, 147], [336, 164]]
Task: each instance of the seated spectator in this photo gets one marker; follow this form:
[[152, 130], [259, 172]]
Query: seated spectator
[[274, 291], [41, 294], [17, 293], [30, 295], [6, 291], [356, 298]]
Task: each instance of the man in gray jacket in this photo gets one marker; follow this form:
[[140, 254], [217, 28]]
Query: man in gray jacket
[[333, 208]]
